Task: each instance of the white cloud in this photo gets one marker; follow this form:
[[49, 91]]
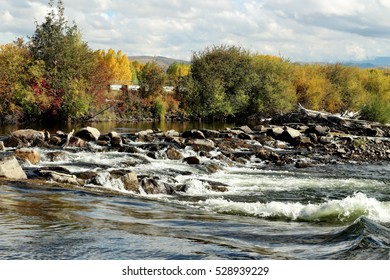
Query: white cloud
[[307, 30]]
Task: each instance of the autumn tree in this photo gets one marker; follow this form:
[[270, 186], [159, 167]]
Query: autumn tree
[[20, 83], [118, 65], [176, 71]]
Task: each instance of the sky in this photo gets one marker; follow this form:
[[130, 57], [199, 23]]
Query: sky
[[299, 30]]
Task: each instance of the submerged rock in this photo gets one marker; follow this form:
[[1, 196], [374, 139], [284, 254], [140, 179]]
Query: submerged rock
[[31, 155], [192, 160], [195, 134], [10, 168], [153, 186]]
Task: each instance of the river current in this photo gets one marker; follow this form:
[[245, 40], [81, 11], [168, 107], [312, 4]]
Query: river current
[[266, 212]]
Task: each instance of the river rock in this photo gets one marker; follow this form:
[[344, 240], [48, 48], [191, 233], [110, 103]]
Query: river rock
[[10, 168], [201, 142], [319, 130], [171, 133], [152, 186], [29, 135], [195, 134], [174, 154], [31, 155], [192, 160], [56, 156], [130, 182], [246, 129], [77, 142], [289, 135], [116, 141], [275, 132], [210, 134], [13, 142], [55, 140], [88, 134], [62, 178]]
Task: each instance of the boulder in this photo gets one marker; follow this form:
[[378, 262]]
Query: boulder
[[56, 156], [201, 142], [88, 134], [275, 132], [171, 133], [29, 135], [116, 141], [289, 135], [152, 186], [211, 133], [194, 134], [130, 182], [13, 142], [174, 154], [246, 129], [62, 178], [77, 142], [31, 155], [192, 160], [10, 168], [55, 140], [319, 130]]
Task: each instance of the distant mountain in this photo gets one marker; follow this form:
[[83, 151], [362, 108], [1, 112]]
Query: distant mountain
[[378, 62], [161, 60]]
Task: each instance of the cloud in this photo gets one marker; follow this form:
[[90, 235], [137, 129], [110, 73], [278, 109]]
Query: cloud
[[308, 30]]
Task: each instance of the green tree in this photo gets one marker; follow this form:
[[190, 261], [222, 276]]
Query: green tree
[[151, 81], [218, 83], [272, 86], [69, 63]]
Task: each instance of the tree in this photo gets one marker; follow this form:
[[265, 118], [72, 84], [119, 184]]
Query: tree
[[69, 63], [151, 80], [176, 71], [218, 83], [20, 83]]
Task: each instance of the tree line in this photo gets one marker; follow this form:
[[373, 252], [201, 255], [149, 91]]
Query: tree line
[[55, 75]]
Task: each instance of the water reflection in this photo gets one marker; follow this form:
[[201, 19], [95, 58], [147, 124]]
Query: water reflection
[[106, 127]]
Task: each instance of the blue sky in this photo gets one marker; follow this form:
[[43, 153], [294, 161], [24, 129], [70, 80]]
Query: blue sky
[[301, 30]]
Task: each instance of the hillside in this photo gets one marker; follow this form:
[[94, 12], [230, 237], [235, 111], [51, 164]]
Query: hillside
[[161, 60]]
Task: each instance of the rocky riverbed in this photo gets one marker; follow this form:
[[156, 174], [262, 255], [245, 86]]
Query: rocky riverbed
[[300, 140]]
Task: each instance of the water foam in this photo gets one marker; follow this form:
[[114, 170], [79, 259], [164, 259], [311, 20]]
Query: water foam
[[341, 211]]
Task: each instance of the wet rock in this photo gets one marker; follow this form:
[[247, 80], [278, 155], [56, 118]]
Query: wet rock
[[144, 132], [77, 142], [58, 169], [192, 160], [14, 142], [56, 140], [289, 135], [212, 167], [31, 155], [56, 156], [210, 134], [152, 186], [29, 135], [195, 134], [174, 154], [245, 136], [201, 142], [303, 164], [275, 132], [130, 182], [88, 134], [318, 130], [87, 176], [129, 149], [171, 133], [246, 129], [62, 178], [116, 141], [10, 168]]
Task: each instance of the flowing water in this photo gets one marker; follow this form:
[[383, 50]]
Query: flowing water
[[267, 212]]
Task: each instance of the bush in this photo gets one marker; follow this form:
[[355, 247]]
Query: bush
[[376, 110]]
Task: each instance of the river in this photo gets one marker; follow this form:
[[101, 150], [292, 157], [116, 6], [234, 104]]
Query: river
[[267, 212]]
